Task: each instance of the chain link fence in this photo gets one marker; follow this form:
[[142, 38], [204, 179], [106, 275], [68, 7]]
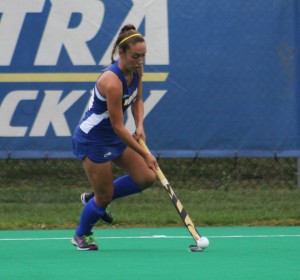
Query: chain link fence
[[198, 173]]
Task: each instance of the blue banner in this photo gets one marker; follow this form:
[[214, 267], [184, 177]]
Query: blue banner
[[221, 78]]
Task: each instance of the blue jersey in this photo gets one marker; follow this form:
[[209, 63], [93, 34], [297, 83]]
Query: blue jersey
[[95, 127]]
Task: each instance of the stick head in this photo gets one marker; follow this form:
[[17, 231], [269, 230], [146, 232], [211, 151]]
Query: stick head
[[195, 248], [202, 243]]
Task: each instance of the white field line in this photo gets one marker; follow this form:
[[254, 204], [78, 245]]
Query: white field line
[[154, 237]]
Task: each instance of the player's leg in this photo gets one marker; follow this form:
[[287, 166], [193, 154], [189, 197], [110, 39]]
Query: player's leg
[[101, 178], [139, 177], [137, 169]]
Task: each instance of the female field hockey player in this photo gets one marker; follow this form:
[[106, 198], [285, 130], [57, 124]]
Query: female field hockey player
[[101, 139]]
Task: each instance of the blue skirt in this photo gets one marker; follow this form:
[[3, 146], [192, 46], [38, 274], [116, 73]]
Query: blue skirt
[[98, 153]]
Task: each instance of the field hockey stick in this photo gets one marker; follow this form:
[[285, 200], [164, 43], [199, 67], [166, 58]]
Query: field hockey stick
[[201, 241]]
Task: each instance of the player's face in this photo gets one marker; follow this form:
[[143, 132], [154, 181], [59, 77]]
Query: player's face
[[134, 57]]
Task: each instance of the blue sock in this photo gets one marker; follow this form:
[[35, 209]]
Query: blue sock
[[89, 216], [124, 186]]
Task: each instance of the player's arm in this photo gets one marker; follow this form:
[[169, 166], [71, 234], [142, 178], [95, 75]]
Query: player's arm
[[137, 109]]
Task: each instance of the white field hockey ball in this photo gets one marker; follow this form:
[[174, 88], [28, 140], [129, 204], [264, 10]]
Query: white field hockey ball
[[203, 242]]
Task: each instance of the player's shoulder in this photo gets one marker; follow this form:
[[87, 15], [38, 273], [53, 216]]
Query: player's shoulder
[[109, 80], [109, 77]]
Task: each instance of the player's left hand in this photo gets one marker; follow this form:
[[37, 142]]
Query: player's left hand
[[139, 133]]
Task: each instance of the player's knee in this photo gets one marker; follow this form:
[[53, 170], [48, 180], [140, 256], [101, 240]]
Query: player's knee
[[103, 199], [149, 180]]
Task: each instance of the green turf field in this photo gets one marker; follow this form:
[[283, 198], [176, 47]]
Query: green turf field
[[152, 253]]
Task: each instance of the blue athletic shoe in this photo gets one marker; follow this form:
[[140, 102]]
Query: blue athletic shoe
[[84, 242], [106, 218]]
